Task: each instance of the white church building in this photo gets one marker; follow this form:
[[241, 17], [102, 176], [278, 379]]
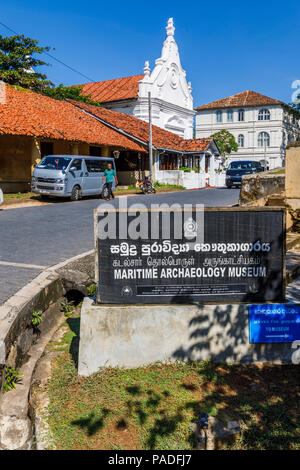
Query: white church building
[[171, 94]]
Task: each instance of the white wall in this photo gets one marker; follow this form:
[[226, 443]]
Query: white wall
[[192, 180]]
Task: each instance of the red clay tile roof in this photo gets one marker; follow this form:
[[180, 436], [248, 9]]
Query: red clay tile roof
[[200, 145], [31, 114], [113, 90], [246, 98], [139, 129]]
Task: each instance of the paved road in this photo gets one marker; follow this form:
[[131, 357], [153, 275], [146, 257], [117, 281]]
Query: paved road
[[42, 236]]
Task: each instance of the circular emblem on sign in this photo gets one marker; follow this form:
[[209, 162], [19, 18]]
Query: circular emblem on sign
[[126, 291], [254, 287], [190, 228]]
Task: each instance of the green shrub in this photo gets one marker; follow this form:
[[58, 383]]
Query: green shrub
[[36, 319], [12, 378], [67, 307], [92, 290], [186, 169]]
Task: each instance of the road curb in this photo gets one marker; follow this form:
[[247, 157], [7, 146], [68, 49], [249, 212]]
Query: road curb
[[16, 340], [37, 294]]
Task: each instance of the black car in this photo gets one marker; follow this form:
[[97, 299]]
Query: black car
[[236, 170]]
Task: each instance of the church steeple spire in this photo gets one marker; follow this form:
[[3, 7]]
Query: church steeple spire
[[170, 27]]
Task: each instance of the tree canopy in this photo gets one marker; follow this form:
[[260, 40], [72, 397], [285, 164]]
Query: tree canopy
[[19, 56], [17, 61], [226, 142], [62, 92]]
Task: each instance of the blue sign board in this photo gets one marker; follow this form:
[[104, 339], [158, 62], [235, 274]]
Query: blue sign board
[[274, 323]]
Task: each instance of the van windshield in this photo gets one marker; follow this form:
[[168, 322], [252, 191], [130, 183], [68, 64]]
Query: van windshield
[[240, 166], [54, 163]]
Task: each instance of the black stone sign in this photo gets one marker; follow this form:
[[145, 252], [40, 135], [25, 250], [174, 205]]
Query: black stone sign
[[241, 258]]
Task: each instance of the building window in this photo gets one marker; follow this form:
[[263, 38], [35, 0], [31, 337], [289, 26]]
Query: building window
[[263, 139], [219, 116], [241, 115], [264, 115], [46, 149], [241, 140], [229, 115]]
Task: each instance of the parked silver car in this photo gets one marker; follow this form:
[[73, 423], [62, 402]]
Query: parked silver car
[[71, 176]]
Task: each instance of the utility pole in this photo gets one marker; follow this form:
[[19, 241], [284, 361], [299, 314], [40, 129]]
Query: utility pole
[[150, 136], [265, 153]]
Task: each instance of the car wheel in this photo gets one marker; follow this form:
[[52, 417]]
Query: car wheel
[[75, 195]]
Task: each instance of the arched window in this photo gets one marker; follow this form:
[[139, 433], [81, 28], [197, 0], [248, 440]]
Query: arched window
[[229, 115], [219, 116], [263, 139], [264, 115], [241, 115], [241, 140]]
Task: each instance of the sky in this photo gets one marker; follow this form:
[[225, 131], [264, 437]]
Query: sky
[[225, 47]]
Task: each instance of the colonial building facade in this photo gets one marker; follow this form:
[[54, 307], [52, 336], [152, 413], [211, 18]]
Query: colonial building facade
[[262, 126], [171, 94]]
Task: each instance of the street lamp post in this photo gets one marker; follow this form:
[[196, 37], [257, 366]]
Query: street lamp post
[[150, 136]]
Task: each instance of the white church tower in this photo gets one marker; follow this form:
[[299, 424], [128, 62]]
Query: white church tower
[[171, 94]]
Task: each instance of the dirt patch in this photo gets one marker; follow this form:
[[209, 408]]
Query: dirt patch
[[14, 205]]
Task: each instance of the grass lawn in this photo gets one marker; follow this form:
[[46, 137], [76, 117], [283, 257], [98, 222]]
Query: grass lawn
[[152, 407], [277, 172]]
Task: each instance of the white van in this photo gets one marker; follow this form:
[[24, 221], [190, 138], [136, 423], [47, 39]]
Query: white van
[[71, 176]]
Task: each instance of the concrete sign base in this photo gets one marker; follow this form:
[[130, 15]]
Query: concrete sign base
[[137, 335]]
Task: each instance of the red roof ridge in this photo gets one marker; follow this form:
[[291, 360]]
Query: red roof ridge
[[244, 98]]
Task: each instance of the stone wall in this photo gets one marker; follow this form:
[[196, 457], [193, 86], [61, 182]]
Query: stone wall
[[137, 335], [292, 186], [259, 186], [16, 332]]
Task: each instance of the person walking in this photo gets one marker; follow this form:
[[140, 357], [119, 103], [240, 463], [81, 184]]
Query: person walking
[[108, 177]]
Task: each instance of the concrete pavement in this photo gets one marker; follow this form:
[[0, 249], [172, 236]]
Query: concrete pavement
[[33, 238]]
